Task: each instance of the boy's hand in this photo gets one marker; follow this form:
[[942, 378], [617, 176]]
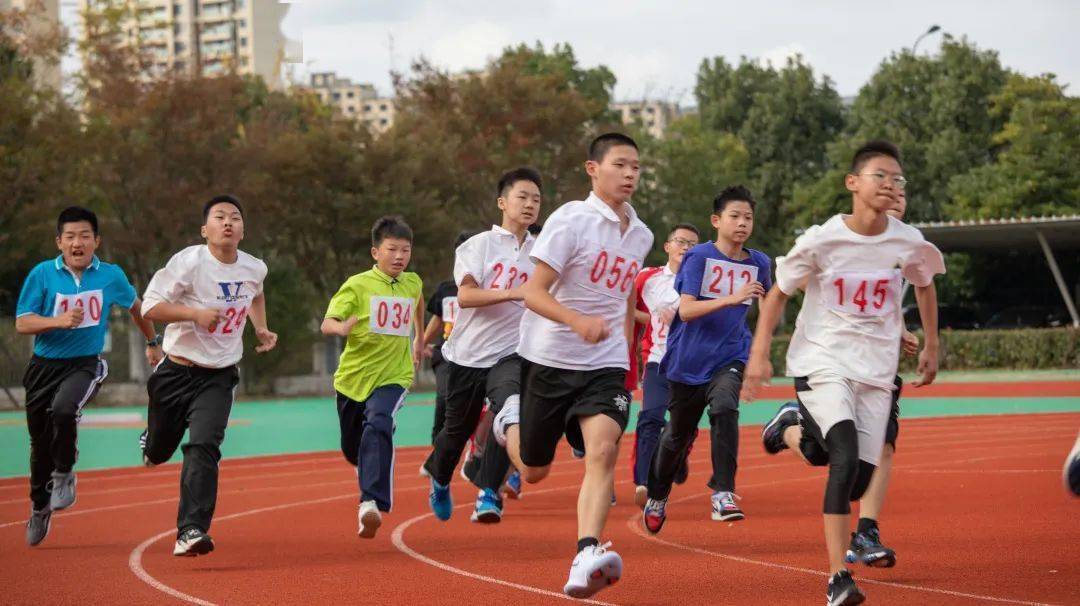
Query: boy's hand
[[267, 340], [757, 374], [208, 319], [909, 343], [667, 314], [70, 318], [417, 353], [928, 365], [154, 355], [591, 328], [516, 294], [753, 290]]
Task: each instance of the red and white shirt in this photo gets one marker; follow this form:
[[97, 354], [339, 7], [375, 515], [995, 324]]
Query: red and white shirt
[[850, 321], [495, 260], [195, 278], [597, 264], [659, 294]]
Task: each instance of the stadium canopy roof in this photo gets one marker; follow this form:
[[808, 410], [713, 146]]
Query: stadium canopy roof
[[1022, 233]]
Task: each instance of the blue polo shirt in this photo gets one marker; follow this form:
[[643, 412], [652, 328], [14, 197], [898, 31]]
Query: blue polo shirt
[[51, 289], [696, 349]]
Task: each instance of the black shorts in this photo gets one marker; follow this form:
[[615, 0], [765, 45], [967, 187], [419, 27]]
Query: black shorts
[[554, 398], [893, 429]]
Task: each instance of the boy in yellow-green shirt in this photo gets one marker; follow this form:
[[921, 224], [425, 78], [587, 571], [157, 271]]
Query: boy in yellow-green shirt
[[378, 311]]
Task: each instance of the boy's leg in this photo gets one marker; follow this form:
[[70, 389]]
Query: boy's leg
[[170, 390], [723, 399], [650, 422], [40, 382], [600, 434], [464, 405], [542, 418], [377, 445], [503, 386], [871, 503], [685, 407], [351, 422], [207, 419], [75, 390], [441, 370]]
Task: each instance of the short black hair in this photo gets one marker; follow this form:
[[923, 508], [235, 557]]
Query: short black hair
[[686, 226], [462, 236], [734, 193], [74, 214], [221, 199], [535, 229], [600, 145], [390, 226], [511, 177], [874, 149]]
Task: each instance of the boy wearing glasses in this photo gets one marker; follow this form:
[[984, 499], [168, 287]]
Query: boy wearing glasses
[[706, 354], [657, 304], [845, 348]]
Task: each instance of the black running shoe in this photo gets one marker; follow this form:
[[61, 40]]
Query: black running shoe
[[1071, 473], [866, 547], [193, 542], [842, 591], [772, 435]]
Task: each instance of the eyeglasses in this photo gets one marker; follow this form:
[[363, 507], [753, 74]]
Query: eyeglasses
[[683, 242], [898, 180]]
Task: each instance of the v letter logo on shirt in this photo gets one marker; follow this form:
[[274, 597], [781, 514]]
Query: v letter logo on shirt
[[231, 290]]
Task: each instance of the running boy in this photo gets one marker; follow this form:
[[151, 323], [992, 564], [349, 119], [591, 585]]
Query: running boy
[[657, 295], [378, 312], [65, 304], [707, 351], [205, 293], [574, 345], [491, 270], [784, 431], [845, 348]]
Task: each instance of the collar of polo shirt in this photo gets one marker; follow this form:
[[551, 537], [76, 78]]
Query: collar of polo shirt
[[609, 214], [498, 229], [94, 263]]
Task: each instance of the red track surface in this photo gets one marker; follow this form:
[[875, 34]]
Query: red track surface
[[976, 512]]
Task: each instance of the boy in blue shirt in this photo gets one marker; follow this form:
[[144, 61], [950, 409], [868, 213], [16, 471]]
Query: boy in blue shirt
[[65, 304], [707, 350]]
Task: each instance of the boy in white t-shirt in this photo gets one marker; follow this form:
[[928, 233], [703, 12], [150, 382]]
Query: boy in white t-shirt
[[845, 349], [205, 293], [574, 345], [491, 270]]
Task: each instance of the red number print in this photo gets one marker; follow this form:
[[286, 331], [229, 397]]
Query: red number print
[[616, 272], [383, 314], [95, 308], [498, 269], [839, 291], [860, 296], [880, 293], [599, 267]]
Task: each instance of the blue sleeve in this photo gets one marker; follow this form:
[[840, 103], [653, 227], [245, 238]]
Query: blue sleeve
[[32, 295], [688, 280], [121, 292], [765, 271]]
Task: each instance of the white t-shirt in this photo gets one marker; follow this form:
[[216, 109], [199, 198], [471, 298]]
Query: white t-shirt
[[850, 322], [484, 335], [597, 264], [194, 278], [659, 294]]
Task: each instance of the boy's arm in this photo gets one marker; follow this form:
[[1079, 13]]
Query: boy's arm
[[926, 296], [33, 324], [338, 327], [691, 309], [154, 354], [631, 317], [418, 330], [538, 299], [433, 328], [267, 339], [471, 295], [759, 368]]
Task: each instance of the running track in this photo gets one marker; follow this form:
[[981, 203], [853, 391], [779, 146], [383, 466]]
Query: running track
[[977, 514]]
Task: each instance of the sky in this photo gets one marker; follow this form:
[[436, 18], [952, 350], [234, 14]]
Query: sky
[[654, 48]]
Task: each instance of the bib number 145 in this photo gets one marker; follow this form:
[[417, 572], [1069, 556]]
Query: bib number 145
[[863, 293]]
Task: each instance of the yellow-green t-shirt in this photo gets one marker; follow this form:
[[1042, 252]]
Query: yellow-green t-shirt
[[378, 350]]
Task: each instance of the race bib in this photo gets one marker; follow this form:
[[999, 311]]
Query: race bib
[[90, 302], [505, 275], [724, 278], [232, 327], [390, 316], [610, 271], [863, 293], [659, 330], [449, 310]]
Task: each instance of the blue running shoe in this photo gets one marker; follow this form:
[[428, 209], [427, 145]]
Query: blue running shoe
[[866, 547], [512, 488], [442, 504], [488, 508], [578, 453]]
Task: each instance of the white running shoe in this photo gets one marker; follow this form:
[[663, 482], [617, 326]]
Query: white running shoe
[[594, 568], [370, 519], [193, 542], [509, 415]]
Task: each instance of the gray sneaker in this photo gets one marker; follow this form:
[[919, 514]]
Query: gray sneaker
[[63, 490], [37, 527]]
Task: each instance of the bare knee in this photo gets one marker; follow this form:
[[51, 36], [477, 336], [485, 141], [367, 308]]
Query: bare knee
[[532, 475], [605, 454]]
